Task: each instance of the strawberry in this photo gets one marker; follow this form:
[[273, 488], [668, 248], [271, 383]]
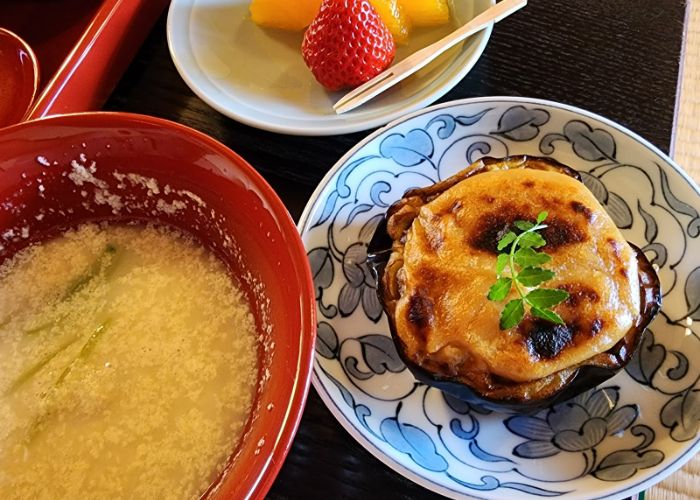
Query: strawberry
[[347, 44]]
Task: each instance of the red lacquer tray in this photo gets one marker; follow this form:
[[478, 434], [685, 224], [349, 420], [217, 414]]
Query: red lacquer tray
[[83, 46]]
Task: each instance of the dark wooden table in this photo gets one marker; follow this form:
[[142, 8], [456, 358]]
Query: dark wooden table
[[618, 58]]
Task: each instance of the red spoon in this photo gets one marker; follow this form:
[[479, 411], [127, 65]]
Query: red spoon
[[19, 78]]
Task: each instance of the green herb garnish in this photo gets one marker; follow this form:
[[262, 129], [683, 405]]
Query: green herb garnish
[[522, 264]]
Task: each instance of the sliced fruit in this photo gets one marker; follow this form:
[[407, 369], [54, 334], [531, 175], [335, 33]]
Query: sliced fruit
[[427, 12], [395, 18], [284, 14]]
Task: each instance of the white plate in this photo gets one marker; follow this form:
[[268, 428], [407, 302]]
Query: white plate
[[611, 442], [257, 76]]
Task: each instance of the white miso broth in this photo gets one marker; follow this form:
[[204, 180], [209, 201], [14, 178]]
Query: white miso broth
[[128, 366]]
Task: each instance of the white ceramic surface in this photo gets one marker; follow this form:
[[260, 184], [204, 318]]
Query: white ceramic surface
[[611, 442], [257, 76]]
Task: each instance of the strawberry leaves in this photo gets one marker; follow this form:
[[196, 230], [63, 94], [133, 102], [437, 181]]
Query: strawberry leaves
[[525, 274]]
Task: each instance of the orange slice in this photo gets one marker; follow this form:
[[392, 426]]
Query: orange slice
[[284, 14], [427, 12], [394, 17]]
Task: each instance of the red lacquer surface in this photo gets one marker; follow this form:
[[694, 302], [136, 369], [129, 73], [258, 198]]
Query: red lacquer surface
[[19, 77], [83, 46], [252, 214]]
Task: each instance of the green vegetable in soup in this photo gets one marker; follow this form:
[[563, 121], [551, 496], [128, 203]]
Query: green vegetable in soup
[[27, 374], [85, 351], [105, 265]]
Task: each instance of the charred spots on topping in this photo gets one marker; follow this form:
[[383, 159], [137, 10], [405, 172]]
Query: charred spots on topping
[[582, 209], [584, 330], [492, 226], [421, 310], [559, 233], [578, 294], [545, 339], [528, 184], [623, 272]]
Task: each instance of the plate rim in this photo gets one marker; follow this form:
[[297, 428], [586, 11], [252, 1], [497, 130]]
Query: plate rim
[[477, 100], [330, 402], [299, 128]]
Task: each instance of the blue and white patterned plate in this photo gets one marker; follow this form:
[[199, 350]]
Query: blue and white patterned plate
[[607, 443]]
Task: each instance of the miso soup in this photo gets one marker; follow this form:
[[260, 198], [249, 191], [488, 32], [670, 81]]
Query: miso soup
[[128, 365]]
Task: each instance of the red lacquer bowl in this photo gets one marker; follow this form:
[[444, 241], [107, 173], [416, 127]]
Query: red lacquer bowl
[[19, 77], [48, 182]]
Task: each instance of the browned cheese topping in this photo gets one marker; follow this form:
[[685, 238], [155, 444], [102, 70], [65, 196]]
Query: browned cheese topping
[[446, 260]]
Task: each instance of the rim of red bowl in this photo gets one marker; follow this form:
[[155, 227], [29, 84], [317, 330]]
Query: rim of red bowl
[[29, 94], [305, 360]]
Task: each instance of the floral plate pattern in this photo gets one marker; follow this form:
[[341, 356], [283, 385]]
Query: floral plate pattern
[[610, 442]]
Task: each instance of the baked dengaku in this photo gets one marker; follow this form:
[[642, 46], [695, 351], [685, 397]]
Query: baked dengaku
[[435, 260]]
